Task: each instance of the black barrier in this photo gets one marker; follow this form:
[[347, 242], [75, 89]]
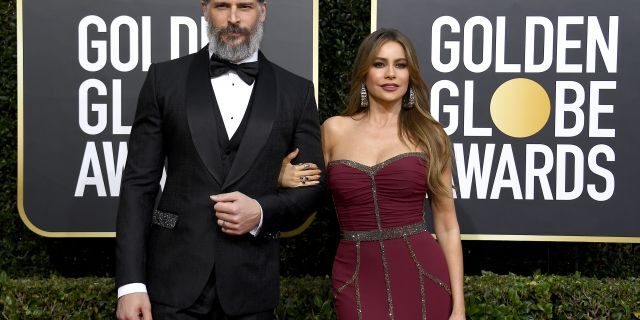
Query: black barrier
[[540, 100], [80, 67]]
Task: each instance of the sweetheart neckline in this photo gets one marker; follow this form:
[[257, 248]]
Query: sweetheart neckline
[[377, 166]]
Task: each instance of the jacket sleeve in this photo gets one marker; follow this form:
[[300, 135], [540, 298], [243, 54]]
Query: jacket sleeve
[[288, 208], [140, 185]]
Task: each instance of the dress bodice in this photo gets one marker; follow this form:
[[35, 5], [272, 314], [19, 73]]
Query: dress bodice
[[386, 195]]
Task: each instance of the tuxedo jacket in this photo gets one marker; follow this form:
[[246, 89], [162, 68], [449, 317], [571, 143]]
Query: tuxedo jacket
[[175, 247]]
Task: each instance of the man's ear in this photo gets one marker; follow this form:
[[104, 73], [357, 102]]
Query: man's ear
[[203, 8], [264, 11]]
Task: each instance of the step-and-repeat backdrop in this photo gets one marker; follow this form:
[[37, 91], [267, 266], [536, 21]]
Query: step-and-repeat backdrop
[[539, 97], [80, 68], [541, 100]]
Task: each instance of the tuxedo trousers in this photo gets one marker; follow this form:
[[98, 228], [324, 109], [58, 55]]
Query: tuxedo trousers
[[206, 307]]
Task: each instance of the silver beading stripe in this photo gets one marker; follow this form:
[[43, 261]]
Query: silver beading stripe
[[164, 219], [357, 285], [384, 234], [385, 265], [372, 170], [423, 294], [354, 281], [424, 272], [355, 272]]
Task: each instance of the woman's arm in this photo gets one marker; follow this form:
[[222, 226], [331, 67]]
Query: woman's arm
[[293, 176], [448, 232]]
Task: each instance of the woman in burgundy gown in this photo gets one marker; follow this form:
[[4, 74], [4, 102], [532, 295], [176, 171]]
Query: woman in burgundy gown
[[383, 155]]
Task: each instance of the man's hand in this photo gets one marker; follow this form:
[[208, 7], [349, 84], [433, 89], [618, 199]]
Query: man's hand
[[237, 214], [134, 306]]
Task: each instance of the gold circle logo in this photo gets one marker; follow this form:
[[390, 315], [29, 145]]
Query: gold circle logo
[[520, 107]]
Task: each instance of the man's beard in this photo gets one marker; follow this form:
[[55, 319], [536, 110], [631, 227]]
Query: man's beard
[[239, 52]]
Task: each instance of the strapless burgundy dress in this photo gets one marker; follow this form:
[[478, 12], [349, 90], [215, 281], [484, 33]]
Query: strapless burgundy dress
[[387, 265]]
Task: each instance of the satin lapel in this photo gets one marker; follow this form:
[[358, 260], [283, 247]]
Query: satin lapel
[[261, 118], [200, 104]]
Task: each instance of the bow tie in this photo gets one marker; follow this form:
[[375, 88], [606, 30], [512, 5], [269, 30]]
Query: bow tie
[[246, 71]]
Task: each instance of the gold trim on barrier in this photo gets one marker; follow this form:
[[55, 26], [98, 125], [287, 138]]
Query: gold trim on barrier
[[300, 229], [374, 15], [556, 238]]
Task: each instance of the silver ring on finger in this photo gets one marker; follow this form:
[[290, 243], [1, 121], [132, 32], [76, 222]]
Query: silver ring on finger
[[306, 166]]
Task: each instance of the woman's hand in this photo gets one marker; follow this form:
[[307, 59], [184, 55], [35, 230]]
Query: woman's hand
[[298, 175], [457, 316]]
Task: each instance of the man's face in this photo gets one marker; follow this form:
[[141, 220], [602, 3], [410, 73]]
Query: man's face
[[235, 20]]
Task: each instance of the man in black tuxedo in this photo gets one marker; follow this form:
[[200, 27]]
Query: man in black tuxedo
[[221, 121]]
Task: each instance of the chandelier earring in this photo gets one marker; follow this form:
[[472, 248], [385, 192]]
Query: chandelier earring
[[410, 101], [364, 98]]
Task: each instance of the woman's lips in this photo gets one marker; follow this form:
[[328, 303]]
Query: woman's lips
[[390, 87]]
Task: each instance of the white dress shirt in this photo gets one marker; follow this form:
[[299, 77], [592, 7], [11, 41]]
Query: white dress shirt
[[232, 95]]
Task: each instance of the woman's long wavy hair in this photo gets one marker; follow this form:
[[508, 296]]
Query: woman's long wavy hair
[[415, 124]]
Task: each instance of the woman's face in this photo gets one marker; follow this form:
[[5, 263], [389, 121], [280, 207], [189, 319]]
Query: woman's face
[[388, 77]]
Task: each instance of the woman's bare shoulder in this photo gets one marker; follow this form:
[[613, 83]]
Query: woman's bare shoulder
[[336, 125], [334, 130]]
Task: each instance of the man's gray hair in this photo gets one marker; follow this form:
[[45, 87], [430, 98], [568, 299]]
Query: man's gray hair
[[259, 1]]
